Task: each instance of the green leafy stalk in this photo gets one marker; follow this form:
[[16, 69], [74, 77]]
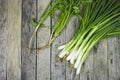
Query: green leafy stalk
[[99, 19]]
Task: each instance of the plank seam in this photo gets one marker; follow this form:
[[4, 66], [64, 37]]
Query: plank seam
[[36, 40], [6, 26], [51, 47], [107, 62], [21, 41]]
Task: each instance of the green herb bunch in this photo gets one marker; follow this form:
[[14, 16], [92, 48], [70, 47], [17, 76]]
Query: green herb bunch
[[99, 19], [67, 8]]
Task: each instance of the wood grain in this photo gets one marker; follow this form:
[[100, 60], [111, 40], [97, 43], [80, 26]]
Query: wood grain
[[114, 58], [43, 35], [100, 68], [57, 68], [28, 65], [14, 40], [3, 38], [87, 68]]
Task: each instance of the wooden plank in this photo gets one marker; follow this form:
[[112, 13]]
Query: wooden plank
[[57, 68], [14, 40], [118, 59], [43, 58], [69, 33], [3, 40], [114, 58], [100, 69], [87, 68], [28, 66]]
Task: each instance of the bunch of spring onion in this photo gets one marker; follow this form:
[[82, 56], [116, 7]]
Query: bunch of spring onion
[[47, 12], [99, 19], [67, 8]]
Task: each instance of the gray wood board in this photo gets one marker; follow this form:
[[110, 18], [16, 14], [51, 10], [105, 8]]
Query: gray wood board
[[28, 65], [114, 58], [100, 68], [57, 68], [87, 68], [43, 35], [3, 38], [14, 40]]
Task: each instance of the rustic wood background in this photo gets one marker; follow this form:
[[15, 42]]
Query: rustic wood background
[[103, 62]]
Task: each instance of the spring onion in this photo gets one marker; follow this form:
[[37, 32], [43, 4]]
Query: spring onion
[[99, 19], [68, 9]]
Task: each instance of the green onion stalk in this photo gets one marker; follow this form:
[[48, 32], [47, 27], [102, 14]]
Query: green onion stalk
[[48, 11], [71, 8], [99, 19], [68, 8]]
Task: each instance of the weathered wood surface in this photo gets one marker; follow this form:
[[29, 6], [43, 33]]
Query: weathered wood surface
[[57, 69], [103, 63], [114, 58], [100, 61], [43, 59], [28, 69], [3, 38], [14, 40]]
